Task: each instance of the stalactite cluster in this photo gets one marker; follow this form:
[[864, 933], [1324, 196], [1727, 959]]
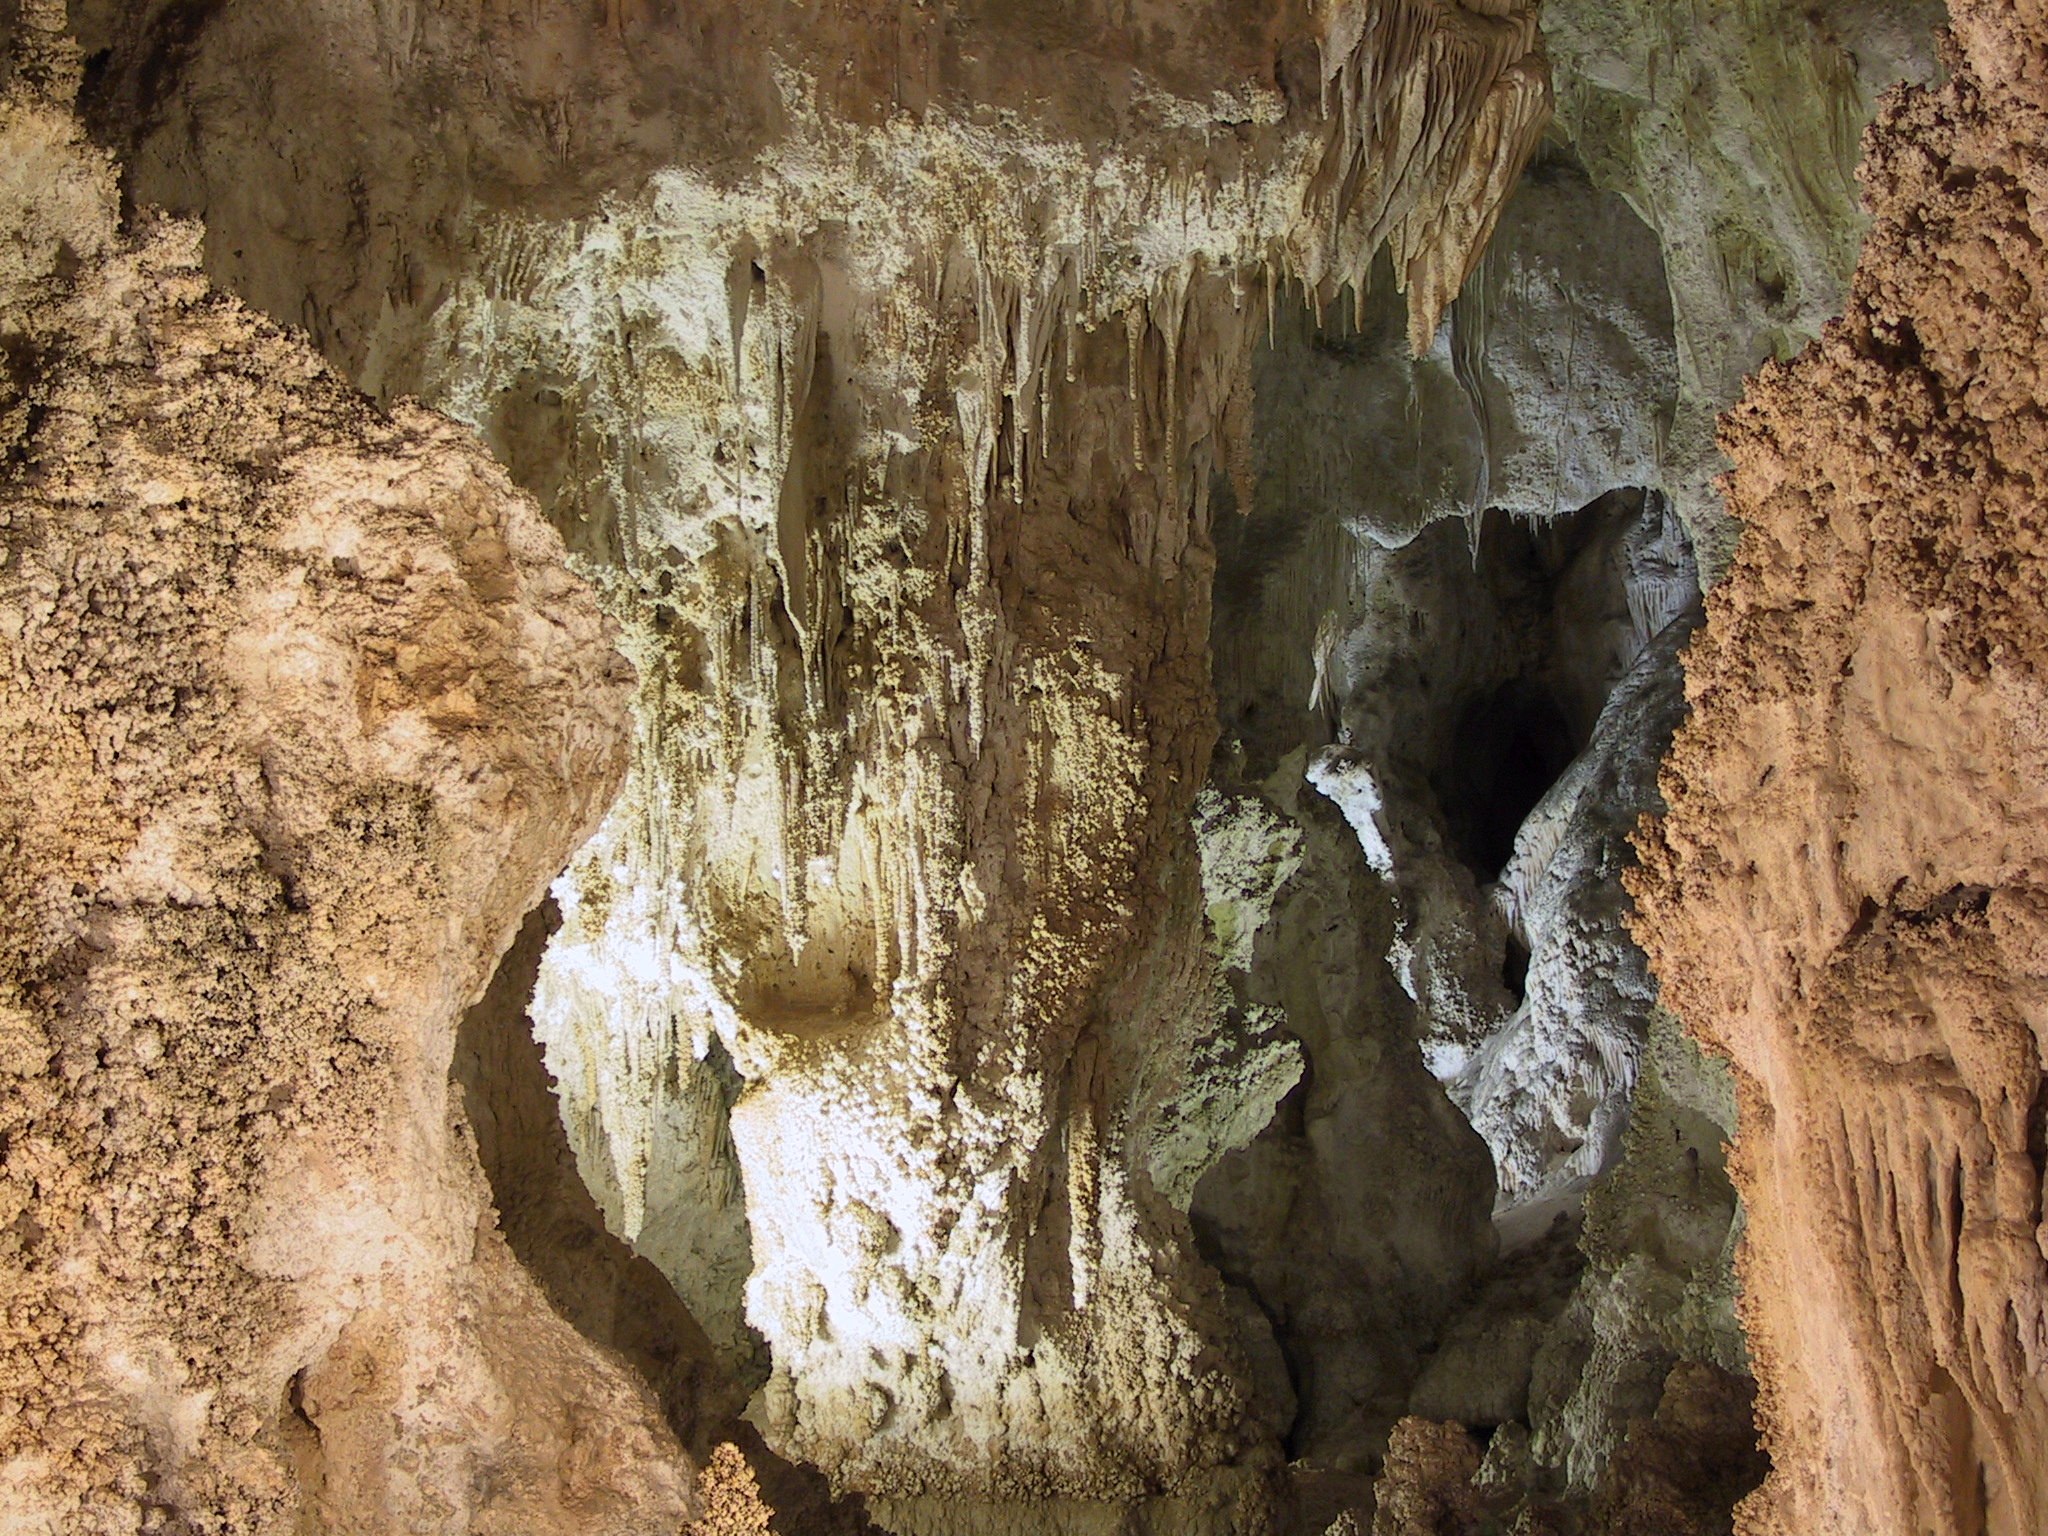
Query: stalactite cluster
[[978, 887]]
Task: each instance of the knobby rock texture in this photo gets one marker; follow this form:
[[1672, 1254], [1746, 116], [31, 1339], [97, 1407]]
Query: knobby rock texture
[[882, 377], [300, 710], [887, 419], [1849, 896]]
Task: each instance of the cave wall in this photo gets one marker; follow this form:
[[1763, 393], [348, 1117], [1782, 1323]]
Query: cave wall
[[302, 711], [885, 418], [1730, 138], [1845, 896], [1732, 130], [1446, 636]]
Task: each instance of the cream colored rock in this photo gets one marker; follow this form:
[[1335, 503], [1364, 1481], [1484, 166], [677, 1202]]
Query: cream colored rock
[[1733, 132], [893, 451], [882, 371]]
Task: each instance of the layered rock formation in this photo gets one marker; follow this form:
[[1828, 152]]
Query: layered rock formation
[[1846, 896], [301, 711]]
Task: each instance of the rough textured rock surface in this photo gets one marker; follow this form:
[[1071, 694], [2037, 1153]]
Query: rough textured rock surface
[[1731, 133], [301, 711], [1658, 1237], [1426, 1489], [1684, 1466], [1552, 383], [1464, 667], [930, 1006], [1348, 1228], [1500, 688], [1846, 897], [731, 1497], [1503, 711]]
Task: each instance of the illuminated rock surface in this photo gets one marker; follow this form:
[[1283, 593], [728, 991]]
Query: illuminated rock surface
[[302, 711]]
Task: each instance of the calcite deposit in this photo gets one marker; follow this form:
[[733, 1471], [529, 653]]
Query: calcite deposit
[[1846, 897], [1731, 129], [885, 1006], [301, 711], [899, 448]]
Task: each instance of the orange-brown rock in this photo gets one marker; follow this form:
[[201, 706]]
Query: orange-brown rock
[[1682, 1470], [731, 1497], [1850, 894], [1426, 1489], [299, 709]]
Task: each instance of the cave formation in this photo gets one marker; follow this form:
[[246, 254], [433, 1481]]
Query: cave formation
[[1062, 767]]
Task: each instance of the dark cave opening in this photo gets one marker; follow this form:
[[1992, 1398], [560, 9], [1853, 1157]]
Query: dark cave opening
[[1514, 968], [1508, 746]]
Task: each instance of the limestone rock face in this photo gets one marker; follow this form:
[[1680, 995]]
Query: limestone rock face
[[1499, 689], [301, 710], [1551, 1089], [1680, 1471], [1551, 384], [1155, 540], [1348, 1229], [1846, 895], [1483, 934], [1656, 1292], [1502, 713], [1463, 666]]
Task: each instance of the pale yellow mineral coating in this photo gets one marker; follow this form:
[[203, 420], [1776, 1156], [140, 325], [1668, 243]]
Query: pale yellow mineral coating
[[916, 429]]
